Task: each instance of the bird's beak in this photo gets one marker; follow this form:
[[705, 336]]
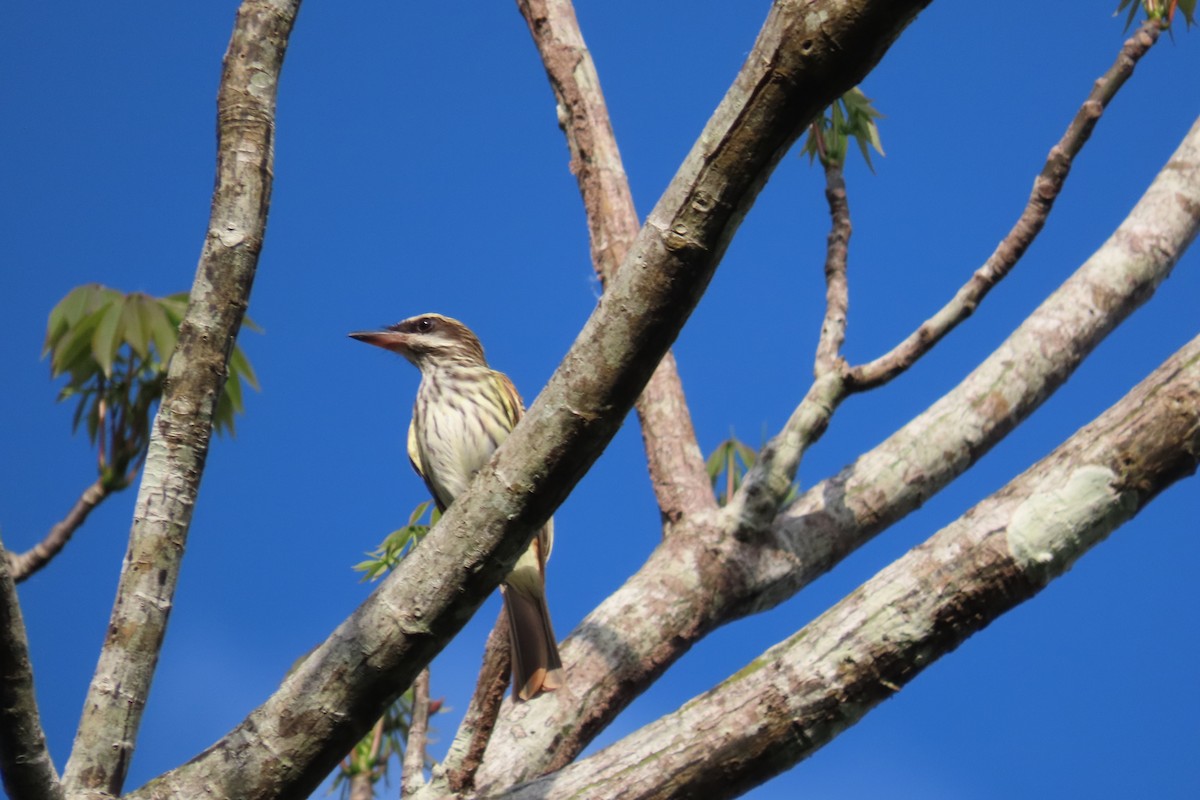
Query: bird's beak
[[388, 340]]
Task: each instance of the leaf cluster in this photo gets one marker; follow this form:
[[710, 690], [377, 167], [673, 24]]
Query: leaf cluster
[[731, 460], [1163, 11], [850, 117], [398, 543], [113, 349]]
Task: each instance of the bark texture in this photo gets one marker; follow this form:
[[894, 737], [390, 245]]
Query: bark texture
[[800, 694], [182, 428], [803, 59], [25, 761], [724, 569]]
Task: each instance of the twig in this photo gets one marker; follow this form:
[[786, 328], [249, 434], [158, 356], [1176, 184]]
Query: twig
[[806, 690], [24, 760], [766, 485], [673, 455], [412, 775], [22, 565], [837, 291], [1046, 188], [466, 752], [182, 429]]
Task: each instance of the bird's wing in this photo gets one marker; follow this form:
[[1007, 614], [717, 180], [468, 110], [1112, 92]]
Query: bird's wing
[[514, 407], [509, 397]]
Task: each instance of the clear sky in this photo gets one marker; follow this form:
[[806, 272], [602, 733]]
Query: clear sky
[[419, 168]]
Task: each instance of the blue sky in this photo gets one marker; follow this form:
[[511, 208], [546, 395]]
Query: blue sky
[[419, 168]]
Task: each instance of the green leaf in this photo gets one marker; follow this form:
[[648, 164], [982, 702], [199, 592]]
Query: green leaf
[[163, 331], [239, 367], [74, 348], [133, 323], [107, 337]]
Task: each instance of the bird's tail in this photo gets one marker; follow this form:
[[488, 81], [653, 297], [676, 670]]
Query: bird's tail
[[536, 666]]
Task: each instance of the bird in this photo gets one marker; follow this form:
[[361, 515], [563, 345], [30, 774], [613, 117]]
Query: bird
[[463, 410]]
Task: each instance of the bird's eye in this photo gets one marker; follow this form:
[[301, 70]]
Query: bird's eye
[[425, 325]]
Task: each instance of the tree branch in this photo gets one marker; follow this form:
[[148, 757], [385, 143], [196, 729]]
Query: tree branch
[[673, 455], [412, 774], [805, 691], [22, 565], [183, 427], [837, 289], [793, 72], [691, 585], [765, 487], [1046, 188], [457, 770], [25, 762]]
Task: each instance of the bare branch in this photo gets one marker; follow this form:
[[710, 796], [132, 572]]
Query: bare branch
[[25, 761], [457, 770], [676, 464], [412, 775], [767, 484], [22, 565], [183, 427], [691, 585], [1046, 188], [803, 60], [802, 693], [837, 290]]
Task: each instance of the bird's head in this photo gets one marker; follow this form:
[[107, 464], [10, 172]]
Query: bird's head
[[428, 340]]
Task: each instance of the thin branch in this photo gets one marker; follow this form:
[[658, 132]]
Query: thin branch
[[805, 691], [837, 290], [767, 484], [457, 770], [691, 585], [799, 64], [25, 763], [22, 565], [182, 429], [1046, 188], [673, 455], [412, 775]]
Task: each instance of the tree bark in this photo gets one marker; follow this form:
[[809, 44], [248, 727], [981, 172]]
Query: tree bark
[[803, 692], [801, 62], [693, 583], [25, 761], [182, 428]]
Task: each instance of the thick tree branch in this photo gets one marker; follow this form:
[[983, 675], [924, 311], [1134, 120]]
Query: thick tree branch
[[690, 585], [805, 691], [22, 565], [803, 59], [768, 483], [676, 464], [25, 763], [1046, 188], [183, 427]]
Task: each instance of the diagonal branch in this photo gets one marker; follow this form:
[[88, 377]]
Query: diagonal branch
[[676, 464], [183, 427], [691, 585], [767, 484], [25, 761], [328, 702], [22, 565], [1046, 188], [803, 692]]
